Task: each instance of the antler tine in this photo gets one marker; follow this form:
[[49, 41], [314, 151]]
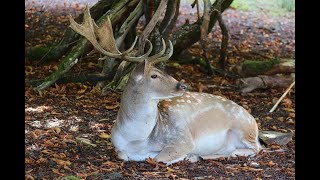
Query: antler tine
[[141, 58], [149, 50], [132, 46], [160, 53], [86, 29], [166, 57]]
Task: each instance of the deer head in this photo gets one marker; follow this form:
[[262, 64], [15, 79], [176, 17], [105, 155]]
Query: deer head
[[147, 79]]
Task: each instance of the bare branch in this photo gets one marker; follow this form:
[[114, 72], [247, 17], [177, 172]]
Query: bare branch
[[146, 32], [172, 24], [204, 31], [224, 43], [283, 95], [168, 17]]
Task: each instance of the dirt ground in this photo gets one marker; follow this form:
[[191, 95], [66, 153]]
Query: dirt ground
[[56, 119]]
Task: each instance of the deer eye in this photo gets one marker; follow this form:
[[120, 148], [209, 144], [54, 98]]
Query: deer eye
[[154, 76]]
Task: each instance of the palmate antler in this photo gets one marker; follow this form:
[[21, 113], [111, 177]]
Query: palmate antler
[[106, 43]]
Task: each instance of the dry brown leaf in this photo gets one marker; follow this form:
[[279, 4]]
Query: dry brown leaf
[[66, 167], [169, 169], [83, 89], [56, 171], [55, 130], [104, 135], [268, 118], [292, 115], [62, 162], [286, 102], [274, 128], [289, 109], [29, 161], [41, 160], [85, 141], [92, 65], [29, 171], [201, 87], [60, 155], [110, 163], [151, 161], [29, 177], [271, 163], [280, 119], [47, 151], [112, 106], [79, 97]]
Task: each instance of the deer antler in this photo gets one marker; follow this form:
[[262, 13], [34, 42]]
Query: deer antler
[[106, 44]]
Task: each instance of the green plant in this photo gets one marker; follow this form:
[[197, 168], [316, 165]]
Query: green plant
[[288, 5]]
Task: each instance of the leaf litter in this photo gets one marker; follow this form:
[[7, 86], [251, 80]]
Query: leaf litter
[[68, 126]]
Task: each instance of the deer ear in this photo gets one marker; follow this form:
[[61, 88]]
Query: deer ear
[[140, 70]]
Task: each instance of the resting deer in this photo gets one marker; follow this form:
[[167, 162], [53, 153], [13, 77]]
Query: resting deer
[[160, 119]]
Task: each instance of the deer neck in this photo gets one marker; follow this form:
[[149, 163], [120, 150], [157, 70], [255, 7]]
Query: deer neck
[[137, 114]]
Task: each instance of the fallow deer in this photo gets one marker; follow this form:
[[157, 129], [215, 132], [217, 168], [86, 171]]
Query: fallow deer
[[160, 119]]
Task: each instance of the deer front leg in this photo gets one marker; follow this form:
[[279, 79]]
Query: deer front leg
[[174, 153]]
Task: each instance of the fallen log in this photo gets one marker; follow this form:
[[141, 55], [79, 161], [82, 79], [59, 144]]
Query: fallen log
[[75, 78], [262, 82], [251, 68]]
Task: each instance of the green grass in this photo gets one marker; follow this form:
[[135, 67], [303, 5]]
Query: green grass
[[269, 7], [273, 8]]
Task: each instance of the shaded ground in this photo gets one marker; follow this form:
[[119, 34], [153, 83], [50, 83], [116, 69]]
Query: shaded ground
[[56, 118]]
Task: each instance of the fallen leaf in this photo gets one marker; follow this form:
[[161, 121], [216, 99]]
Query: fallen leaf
[[112, 106], [29, 171], [201, 87], [56, 171], [268, 118], [61, 162], [111, 164], [151, 161], [29, 177], [41, 160], [289, 109], [85, 141], [169, 169], [55, 130], [286, 102], [83, 89], [104, 135], [29, 161], [47, 151]]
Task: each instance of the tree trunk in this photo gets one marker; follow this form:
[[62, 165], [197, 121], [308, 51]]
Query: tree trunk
[[187, 35], [80, 78], [119, 11], [55, 52]]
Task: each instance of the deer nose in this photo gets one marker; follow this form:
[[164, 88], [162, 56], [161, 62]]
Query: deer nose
[[182, 86]]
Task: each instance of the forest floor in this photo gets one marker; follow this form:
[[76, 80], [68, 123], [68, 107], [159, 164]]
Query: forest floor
[[61, 118]]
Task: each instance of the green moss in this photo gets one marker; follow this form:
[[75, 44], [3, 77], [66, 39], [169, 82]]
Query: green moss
[[39, 53], [256, 67]]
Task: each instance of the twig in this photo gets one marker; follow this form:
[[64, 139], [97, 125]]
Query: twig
[[283, 95], [224, 43], [198, 9], [152, 23], [204, 31]]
